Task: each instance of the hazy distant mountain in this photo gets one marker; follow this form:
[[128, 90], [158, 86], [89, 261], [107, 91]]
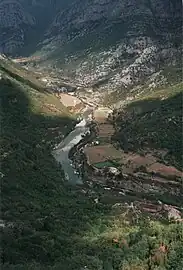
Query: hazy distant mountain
[[23, 23], [107, 45]]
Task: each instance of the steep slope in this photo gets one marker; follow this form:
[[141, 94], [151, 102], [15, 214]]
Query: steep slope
[[14, 19], [23, 23], [153, 124], [106, 46], [45, 224], [29, 113], [32, 120], [117, 45]]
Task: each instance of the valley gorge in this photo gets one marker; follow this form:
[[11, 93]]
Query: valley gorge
[[91, 137]]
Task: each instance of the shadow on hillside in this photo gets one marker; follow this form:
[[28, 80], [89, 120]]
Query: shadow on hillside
[[90, 42], [24, 77], [152, 123], [45, 217], [47, 221]]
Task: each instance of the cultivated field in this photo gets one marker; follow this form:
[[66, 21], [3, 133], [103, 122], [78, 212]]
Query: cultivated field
[[105, 130], [101, 114], [96, 154]]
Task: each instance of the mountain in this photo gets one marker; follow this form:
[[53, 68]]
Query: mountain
[[23, 23], [112, 48], [117, 45], [14, 19], [118, 53]]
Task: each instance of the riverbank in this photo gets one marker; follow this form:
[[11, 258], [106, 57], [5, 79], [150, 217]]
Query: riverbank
[[61, 152], [72, 154]]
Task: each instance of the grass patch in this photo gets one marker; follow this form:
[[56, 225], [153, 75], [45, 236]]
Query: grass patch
[[103, 164], [20, 74], [109, 163]]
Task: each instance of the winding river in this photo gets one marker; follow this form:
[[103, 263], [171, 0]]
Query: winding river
[[61, 151]]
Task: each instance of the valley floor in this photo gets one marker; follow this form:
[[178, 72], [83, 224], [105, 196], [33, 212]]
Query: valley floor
[[47, 224]]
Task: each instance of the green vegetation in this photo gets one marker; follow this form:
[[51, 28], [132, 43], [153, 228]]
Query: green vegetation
[[108, 163], [47, 225], [173, 75], [155, 122], [103, 164], [17, 72]]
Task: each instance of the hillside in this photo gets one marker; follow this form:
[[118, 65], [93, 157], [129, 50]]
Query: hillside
[[22, 27], [153, 122], [116, 46], [46, 224], [122, 57], [32, 121], [108, 47]]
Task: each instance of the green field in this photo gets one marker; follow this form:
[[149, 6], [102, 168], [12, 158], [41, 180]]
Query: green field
[[101, 165]]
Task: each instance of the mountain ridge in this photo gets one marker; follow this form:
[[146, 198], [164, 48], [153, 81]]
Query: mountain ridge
[[111, 51]]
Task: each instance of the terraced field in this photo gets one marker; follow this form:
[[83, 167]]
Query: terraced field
[[103, 153]]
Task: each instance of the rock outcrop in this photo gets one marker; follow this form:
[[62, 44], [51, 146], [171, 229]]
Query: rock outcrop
[[14, 19], [117, 45], [23, 23], [105, 46]]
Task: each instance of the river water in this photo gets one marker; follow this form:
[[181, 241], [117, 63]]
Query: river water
[[61, 151]]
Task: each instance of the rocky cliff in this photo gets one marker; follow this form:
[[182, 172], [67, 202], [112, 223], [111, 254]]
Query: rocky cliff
[[13, 20], [23, 23], [117, 45], [106, 46]]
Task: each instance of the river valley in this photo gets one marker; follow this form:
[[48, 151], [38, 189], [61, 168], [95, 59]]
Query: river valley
[[61, 153], [130, 185]]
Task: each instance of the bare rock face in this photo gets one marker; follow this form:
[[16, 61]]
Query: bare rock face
[[13, 14], [13, 20], [131, 19], [23, 23], [108, 45]]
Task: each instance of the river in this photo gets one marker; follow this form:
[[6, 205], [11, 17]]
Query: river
[[61, 151]]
